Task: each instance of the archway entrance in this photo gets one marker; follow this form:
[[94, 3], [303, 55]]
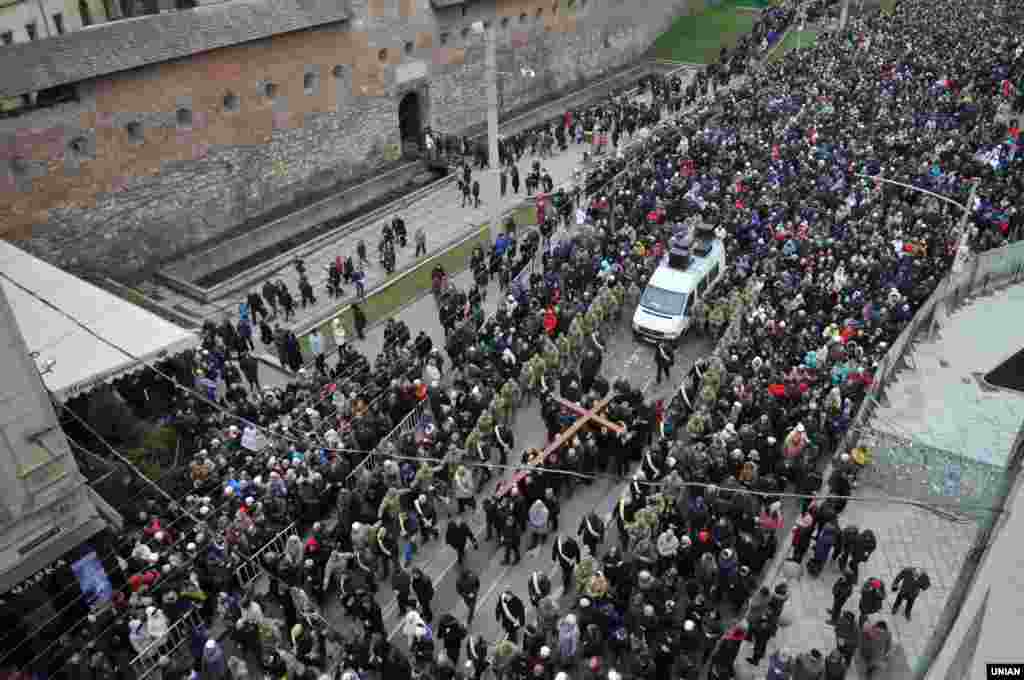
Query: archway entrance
[[410, 125]]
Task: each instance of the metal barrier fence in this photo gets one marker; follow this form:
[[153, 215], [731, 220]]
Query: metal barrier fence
[[177, 635], [247, 572]]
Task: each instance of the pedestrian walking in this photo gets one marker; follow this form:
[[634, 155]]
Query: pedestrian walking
[[468, 587], [510, 538], [515, 179], [458, 535], [424, 589], [511, 614], [476, 193], [664, 358], [910, 583], [761, 631], [872, 596], [359, 278], [842, 589], [421, 242], [250, 369], [503, 181], [359, 321]]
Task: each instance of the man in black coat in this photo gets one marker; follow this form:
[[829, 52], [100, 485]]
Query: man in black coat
[[664, 359], [511, 614], [841, 592], [468, 587], [424, 589], [910, 582], [458, 535], [566, 552]]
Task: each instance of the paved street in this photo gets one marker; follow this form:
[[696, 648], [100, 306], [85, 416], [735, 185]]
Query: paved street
[[907, 537], [623, 358]]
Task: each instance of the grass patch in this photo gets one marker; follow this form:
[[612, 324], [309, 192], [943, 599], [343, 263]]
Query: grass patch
[[888, 6], [804, 38], [698, 38], [406, 288]]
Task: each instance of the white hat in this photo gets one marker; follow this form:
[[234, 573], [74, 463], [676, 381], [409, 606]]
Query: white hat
[[800, 427], [150, 611], [249, 500], [211, 644]]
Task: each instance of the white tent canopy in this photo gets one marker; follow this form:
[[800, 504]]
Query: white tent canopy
[[72, 360]]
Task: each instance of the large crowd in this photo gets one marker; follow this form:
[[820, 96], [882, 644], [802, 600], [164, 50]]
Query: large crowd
[[826, 266]]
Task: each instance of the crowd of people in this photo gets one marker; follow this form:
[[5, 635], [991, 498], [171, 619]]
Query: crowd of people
[[828, 263]]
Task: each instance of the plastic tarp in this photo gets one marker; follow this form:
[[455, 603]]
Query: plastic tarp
[[71, 360]]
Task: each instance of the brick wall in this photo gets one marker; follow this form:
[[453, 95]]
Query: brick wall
[[160, 159]]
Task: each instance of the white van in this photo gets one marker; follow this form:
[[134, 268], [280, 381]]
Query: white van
[[666, 307]]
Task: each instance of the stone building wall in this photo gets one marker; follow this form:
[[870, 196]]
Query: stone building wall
[[155, 160]]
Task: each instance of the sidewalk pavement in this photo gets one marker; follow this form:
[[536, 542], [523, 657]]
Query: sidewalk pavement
[[934, 401]]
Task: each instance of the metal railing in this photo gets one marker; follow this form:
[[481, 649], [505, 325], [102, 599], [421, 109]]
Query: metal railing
[[177, 635], [248, 571]]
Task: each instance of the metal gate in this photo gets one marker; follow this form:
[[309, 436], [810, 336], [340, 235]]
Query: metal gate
[[250, 570], [177, 635]]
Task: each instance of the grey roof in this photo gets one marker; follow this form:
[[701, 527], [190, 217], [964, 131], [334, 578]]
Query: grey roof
[[441, 4], [131, 43]]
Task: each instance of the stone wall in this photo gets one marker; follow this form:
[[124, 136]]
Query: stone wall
[[154, 161]]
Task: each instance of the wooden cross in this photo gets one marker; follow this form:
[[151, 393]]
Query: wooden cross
[[586, 417]]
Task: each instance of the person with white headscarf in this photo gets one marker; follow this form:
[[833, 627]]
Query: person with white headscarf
[[157, 624]]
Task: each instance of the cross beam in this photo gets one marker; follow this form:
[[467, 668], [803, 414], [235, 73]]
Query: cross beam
[[586, 417]]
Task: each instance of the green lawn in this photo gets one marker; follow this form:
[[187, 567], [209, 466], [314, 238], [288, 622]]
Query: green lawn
[[804, 38], [698, 38], [408, 287]]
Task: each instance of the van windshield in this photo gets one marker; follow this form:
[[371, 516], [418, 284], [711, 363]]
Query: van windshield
[[663, 301]]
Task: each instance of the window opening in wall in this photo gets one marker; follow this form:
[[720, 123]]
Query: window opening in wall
[[554, 8], [464, 10], [338, 71], [58, 23], [134, 131], [184, 117], [32, 30], [540, 12], [444, 38], [465, 32], [270, 89], [522, 18], [408, 47], [83, 9], [19, 166], [309, 82], [231, 102], [504, 22], [383, 55], [7, 37], [487, 25], [79, 145], [57, 95]]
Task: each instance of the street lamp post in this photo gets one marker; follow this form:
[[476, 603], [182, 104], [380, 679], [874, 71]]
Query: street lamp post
[[487, 31]]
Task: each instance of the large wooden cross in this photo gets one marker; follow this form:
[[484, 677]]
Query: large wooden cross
[[585, 418]]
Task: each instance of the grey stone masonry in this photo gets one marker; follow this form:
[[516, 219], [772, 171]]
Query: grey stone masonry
[[122, 45]]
